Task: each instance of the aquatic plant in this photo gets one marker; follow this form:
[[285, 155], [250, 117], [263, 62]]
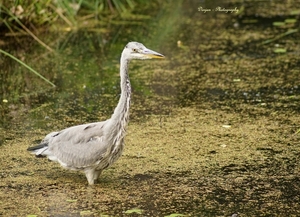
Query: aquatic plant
[[135, 210], [37, 13], [175, 215], [26, 66]]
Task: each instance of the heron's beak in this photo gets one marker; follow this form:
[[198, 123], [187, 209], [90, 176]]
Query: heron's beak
[[152, 54]]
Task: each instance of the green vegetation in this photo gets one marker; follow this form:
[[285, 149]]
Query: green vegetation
[[28, 67], [136, 210], [174, 215], [33, 18], [21, 15]]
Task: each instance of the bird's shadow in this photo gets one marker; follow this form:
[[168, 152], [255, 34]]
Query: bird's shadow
[[61, 175]]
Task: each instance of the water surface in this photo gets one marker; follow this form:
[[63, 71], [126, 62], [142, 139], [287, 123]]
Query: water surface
[[214, 128]]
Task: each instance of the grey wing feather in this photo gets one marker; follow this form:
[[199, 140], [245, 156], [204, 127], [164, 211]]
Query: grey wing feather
[[76, 147]]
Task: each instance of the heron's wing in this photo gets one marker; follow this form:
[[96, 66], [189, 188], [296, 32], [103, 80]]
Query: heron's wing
[[77, 147]]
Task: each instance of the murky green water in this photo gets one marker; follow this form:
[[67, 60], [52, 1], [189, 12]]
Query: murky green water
[[214, 127]]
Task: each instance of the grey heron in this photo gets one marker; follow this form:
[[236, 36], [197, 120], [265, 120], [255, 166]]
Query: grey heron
[[95, 146]]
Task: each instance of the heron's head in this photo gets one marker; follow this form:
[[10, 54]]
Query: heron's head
[[135, 50]]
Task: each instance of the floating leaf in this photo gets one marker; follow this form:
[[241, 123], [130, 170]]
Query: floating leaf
[[5, 100], [226, 126], [290, 31], [295, 12], [174, 215], [279, 50], [278, 23], [87, 212], [71, 201], [241, 11], [290, 20], [138, 211]]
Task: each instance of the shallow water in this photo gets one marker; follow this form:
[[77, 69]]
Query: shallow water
[[214, 128]]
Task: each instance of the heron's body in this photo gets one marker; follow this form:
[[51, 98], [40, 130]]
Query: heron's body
[[94, 147]]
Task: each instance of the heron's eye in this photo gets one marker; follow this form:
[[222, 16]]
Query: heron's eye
[[134, 50]]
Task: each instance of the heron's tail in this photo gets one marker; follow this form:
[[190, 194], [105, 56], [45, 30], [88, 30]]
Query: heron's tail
[[39, 150]]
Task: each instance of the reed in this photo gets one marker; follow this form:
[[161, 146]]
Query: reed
[[26, 66]]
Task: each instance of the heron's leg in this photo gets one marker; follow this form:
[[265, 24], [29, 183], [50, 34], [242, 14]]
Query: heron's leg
[[90, 176]]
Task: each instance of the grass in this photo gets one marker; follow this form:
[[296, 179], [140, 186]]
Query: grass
[[45, 12], [28, 67]]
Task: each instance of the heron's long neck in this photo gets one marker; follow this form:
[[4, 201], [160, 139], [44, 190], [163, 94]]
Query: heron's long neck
[[120, 117], [122, 110]]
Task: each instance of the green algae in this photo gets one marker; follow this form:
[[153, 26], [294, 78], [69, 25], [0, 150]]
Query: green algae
[[179, 157]]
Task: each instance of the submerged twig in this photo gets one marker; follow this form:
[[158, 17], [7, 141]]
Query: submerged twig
[[280, 36], [33, 35], [28, 67]]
